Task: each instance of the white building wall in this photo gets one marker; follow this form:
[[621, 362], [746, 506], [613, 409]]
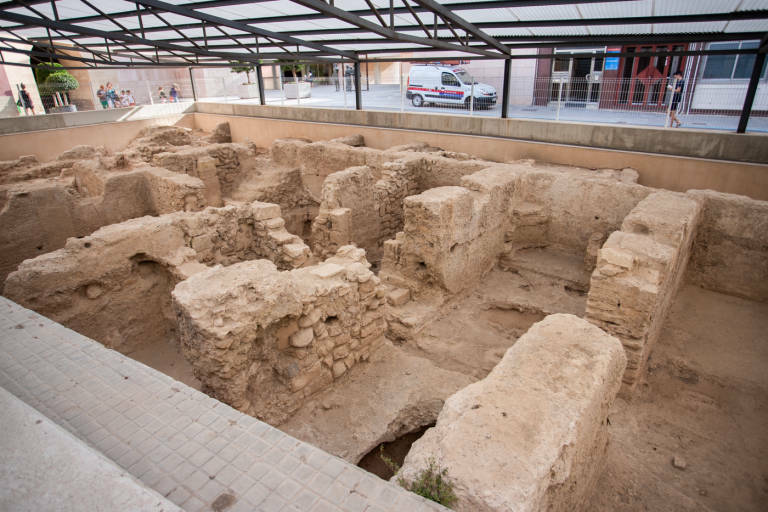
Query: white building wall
[[727, 95]]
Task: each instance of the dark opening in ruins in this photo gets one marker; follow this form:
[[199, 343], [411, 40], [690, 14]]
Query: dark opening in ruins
[[395, 451]]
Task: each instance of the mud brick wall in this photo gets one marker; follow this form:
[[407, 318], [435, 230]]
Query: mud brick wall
[[115, 284], [264, 341], [532, 435], [566, 209], [452, 235], [317, 160], [38, 217], [639, 270], [363, 206], [232, 162], [730, 253]]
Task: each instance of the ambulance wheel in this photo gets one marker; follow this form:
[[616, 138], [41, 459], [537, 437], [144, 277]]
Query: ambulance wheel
[[466, 104], [417, 100]]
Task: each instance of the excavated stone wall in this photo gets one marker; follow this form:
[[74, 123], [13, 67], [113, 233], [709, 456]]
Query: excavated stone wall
[[566, 208], [639, 270], [39, 216], [533, 434], [264, 341], [453, 235], [115, 285], [730, 252], [364, 205]]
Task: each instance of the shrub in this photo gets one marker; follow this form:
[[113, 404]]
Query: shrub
[[60, 81], [431, 483]]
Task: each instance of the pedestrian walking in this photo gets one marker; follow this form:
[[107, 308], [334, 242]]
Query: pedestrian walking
[[26, 101], [161, 94], [677, 96], [174, 93]]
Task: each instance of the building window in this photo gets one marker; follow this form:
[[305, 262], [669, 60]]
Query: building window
[[730, 67]]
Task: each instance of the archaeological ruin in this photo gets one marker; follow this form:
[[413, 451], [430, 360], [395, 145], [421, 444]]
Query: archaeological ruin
[[556, 337]]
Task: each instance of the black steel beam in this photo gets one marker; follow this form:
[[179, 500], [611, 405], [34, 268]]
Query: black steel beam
[[61, 25], [454, 6], [754, 80], [192, 82], [447, 15], [505, 91], [260, 80], [190, 13], [390, 34], [358, 91]]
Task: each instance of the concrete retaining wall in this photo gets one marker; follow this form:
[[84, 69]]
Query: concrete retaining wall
[[22, 124], [678, 173], [695, 143]]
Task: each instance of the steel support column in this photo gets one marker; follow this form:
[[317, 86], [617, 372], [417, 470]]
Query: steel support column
[[505, 91], [751, 90], [192, 81], [260, 80], [358, 92]]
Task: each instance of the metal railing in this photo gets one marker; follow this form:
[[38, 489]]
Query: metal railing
[[592, 99]]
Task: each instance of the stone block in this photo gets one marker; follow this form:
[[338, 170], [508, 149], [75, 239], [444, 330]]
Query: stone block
[[327, 270], [542, 410], [302, 338], [312, 317], [294, 251], [339, 368], [399, 296], [264, 211], [275, 223]]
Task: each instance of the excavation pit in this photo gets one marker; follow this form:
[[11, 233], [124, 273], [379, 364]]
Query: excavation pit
[[357, 297]]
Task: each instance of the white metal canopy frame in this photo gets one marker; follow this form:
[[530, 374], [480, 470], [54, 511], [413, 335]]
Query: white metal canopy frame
[[206, 33]]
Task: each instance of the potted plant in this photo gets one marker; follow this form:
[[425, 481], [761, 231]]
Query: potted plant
[[296, 87], [57, 84], [251, 89]]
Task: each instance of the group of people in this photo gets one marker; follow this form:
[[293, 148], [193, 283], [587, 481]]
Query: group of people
[[172, 96], [109, 97]]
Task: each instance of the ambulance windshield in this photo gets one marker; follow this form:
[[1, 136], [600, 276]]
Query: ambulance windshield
[[463, 76]]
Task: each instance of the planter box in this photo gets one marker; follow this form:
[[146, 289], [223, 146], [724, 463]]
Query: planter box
[[300, 90], [63, 108], [250, 91]]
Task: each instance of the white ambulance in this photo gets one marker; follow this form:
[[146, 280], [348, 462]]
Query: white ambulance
[[438, 84]]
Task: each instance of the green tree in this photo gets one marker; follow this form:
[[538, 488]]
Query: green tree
[[243, 67], [60, 81]]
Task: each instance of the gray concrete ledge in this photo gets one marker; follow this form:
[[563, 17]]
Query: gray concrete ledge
[[23, 124], [187, 446], [680, 142]]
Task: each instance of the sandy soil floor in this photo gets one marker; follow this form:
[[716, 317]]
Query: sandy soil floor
[[471, 334], [393, 394], [165, 357], [705, 402]]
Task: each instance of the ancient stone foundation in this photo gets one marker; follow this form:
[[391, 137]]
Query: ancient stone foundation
[[115, 284], [532, 435], [639, 270], [263, 341]]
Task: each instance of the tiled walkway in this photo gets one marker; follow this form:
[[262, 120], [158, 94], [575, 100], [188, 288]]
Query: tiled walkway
[[180, 442]]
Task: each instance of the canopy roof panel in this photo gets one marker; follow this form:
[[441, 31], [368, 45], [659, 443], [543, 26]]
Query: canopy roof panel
[[205, 32]]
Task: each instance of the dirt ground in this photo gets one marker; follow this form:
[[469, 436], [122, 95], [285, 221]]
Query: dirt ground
[[164, 356], [474, 330], [705, 402]]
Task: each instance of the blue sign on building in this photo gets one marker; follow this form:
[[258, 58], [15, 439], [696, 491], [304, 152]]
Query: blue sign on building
[[611, 63]]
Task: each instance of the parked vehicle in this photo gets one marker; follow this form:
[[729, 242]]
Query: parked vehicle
[[434, 83]]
